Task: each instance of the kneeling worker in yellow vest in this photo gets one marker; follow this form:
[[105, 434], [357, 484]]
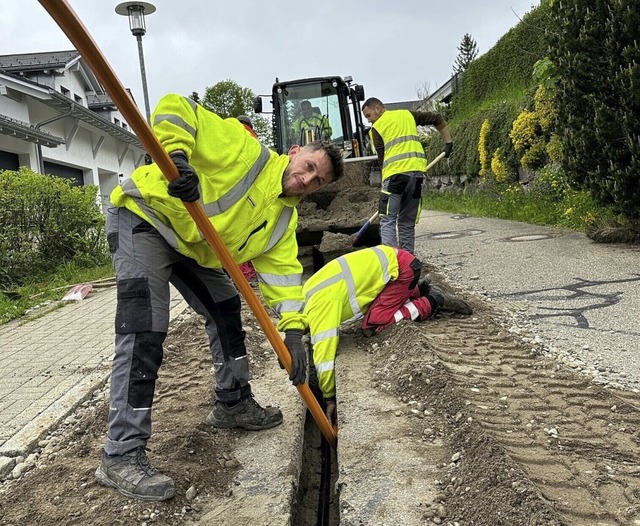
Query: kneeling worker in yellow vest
[[382, 286]]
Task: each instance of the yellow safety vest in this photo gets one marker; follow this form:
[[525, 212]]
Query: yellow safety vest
[[240, 187], [342, 291], [319, 122], [403, 151]]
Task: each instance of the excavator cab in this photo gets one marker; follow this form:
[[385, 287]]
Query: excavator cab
[[322, 108]]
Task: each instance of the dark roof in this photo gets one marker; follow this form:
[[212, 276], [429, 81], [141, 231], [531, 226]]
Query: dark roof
[[38, 61], [29, 65], [66, 105], [100, 102], [28, 132], [405, 105]]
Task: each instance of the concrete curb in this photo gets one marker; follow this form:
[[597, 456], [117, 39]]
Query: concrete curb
[[23, 442]]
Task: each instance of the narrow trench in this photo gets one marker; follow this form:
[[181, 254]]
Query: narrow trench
[[317, 501]]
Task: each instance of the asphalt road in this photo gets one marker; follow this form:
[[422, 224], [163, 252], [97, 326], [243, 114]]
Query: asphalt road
[[579, 297]]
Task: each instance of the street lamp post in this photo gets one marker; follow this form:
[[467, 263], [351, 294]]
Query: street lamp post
[[136, 11]]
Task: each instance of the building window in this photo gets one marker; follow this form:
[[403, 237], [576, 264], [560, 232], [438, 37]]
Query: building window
[[65, 91], [117, 121], [77, 98], [67, 172], [9, 161]]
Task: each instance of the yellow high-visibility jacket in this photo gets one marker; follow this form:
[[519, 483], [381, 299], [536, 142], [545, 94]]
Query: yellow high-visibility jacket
[[403, 151], [240, 187], [315, 121], [342, 291]]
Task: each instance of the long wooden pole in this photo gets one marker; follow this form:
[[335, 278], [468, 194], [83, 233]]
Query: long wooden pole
[[78, 34]]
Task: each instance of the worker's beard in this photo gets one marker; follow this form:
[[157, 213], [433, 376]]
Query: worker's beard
[[290, 184]]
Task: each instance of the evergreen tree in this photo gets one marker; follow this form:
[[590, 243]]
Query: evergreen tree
[[594, 45], [467, 52]]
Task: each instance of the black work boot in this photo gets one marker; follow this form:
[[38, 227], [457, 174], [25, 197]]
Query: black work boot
[[369, 332], [447, 300], [133, 475], [423, 285], [247, 414]]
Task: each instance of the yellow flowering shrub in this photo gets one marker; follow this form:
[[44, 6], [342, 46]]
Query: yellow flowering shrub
[[554, 148], [545, 108], [524, 130], [482, 148], [498, 166]]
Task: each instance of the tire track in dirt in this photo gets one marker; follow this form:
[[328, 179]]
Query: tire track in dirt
[[576, 441]]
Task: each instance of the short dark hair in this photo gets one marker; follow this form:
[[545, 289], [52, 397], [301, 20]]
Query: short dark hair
[[333, 152], [371, 101]]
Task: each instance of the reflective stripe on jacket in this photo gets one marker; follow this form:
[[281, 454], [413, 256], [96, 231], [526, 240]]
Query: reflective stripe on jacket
[[403, 151], [341, 291], [240, 187]]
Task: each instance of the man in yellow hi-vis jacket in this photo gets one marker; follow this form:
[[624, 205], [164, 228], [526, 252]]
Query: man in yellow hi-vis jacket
[[394, 134], [380, 285], [310, 120], [249, 194]]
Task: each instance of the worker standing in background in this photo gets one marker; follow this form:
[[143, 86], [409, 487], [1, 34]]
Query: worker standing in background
[[316, 123], [394, 134], [246, 122], [379, 284], [249, 194]]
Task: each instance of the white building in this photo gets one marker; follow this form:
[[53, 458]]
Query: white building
[[56, 118]]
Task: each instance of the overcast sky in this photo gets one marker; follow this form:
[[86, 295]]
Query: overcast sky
[[392, 48]]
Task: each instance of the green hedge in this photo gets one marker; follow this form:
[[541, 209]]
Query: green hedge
[[464, 159], [505, 69], [595, 47], [45, 223], [497, 87]]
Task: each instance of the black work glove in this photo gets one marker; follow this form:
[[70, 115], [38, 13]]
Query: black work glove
[[331, 409], [184, 187], [448, 146], [293, 341]]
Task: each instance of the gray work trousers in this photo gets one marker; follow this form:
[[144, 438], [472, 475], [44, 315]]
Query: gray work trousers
[[399, 205], [144, 266]]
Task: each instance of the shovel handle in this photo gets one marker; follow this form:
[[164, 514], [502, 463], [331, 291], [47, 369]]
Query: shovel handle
[[364, 228]]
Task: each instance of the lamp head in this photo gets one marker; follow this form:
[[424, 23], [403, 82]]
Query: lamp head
[[136, 11]]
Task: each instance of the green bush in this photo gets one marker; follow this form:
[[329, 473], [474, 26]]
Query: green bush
[[595, 47], [496, 87], [46, 223]]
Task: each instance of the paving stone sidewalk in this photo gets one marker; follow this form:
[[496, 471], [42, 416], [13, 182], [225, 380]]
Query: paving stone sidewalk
[[51, 363]]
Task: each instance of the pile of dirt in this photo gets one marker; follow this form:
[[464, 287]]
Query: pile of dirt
[[529, 441], [479, 483], [346, 211], [342, 206]]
